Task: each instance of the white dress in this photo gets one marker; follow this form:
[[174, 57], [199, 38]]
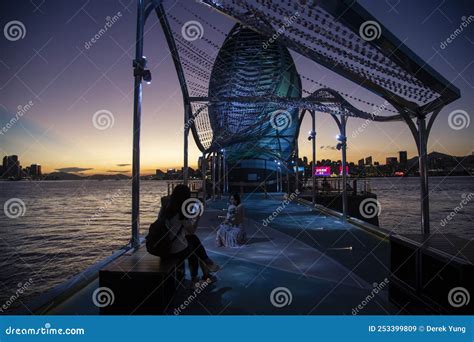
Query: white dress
[[232, 233]]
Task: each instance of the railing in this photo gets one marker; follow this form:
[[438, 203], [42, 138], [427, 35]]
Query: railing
[[194, 184], [334, 185]]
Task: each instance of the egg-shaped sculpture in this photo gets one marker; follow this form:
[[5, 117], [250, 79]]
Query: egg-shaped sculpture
[[250, 73]]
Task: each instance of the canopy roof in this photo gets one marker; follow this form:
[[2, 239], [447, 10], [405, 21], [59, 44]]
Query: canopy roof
[[337, 34]]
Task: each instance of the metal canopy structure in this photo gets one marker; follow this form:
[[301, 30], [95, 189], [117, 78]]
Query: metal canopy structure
[[337, 34]]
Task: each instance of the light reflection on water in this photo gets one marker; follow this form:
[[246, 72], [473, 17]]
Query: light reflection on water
[[70, 225]]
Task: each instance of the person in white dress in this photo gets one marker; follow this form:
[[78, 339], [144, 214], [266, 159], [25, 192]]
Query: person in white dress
[[231, 232]]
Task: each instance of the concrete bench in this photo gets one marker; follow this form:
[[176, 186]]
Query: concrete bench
[[140, 282]]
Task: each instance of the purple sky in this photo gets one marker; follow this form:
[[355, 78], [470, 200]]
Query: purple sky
[[66, 84]]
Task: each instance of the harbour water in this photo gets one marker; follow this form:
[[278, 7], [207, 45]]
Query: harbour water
[[67, 226]]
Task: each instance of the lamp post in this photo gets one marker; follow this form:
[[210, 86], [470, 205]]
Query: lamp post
[[342, 146], [213, 160], [140, 73], [312, 137], [297, 178], [278, 176], [224, 171]]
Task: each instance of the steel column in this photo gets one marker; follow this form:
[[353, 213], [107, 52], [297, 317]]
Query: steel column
[[221, 174], [213, 161], [203, 171], [423, 163], [138, 65], [182, 82], [313, 163], [297, 178], [186, 146], [344, 177], [287, 179]]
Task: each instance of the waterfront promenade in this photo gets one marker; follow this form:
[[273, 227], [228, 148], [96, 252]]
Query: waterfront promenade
[[314, 263], [325, 266]]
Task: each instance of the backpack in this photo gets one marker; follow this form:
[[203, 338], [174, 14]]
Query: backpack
[[158, 240]]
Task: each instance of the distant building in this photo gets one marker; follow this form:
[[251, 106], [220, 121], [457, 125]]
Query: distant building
[[11, 167], [403, 157], [368, 160], [172, 174], [361, 162], [391, 160], [35, 171]]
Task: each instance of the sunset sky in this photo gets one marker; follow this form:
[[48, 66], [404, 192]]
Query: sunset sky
[[66, 83]]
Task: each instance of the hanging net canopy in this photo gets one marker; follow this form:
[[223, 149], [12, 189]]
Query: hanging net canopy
[[241, 85]]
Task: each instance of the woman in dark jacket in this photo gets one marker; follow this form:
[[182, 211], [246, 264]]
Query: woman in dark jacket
[[182, 224]]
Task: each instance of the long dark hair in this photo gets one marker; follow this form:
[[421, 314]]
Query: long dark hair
[[236, 196], [179, 195]]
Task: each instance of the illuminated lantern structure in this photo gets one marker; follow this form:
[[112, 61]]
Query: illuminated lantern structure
[[258, 136]]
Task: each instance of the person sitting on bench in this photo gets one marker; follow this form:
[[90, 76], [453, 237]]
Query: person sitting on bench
[[184, 243]]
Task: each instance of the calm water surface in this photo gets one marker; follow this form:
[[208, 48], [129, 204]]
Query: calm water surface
[[70, 225]]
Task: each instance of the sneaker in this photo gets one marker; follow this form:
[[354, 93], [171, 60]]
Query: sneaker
[[209, 278], [212, 267], [196, 282]]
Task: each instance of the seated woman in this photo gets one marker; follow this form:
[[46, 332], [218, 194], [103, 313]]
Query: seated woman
[[231, 232], [184, 243]]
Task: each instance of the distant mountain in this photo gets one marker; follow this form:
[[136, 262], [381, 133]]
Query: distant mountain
[[62, 176], [441, 163], [438, 155], [72, 176], [117, 176]]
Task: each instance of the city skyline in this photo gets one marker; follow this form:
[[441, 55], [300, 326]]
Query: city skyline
[[399, 159], [53, 117]]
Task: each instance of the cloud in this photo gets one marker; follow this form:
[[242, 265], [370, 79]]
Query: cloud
[[327, 147], [118, 171], [73, 169], [122, 165]]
